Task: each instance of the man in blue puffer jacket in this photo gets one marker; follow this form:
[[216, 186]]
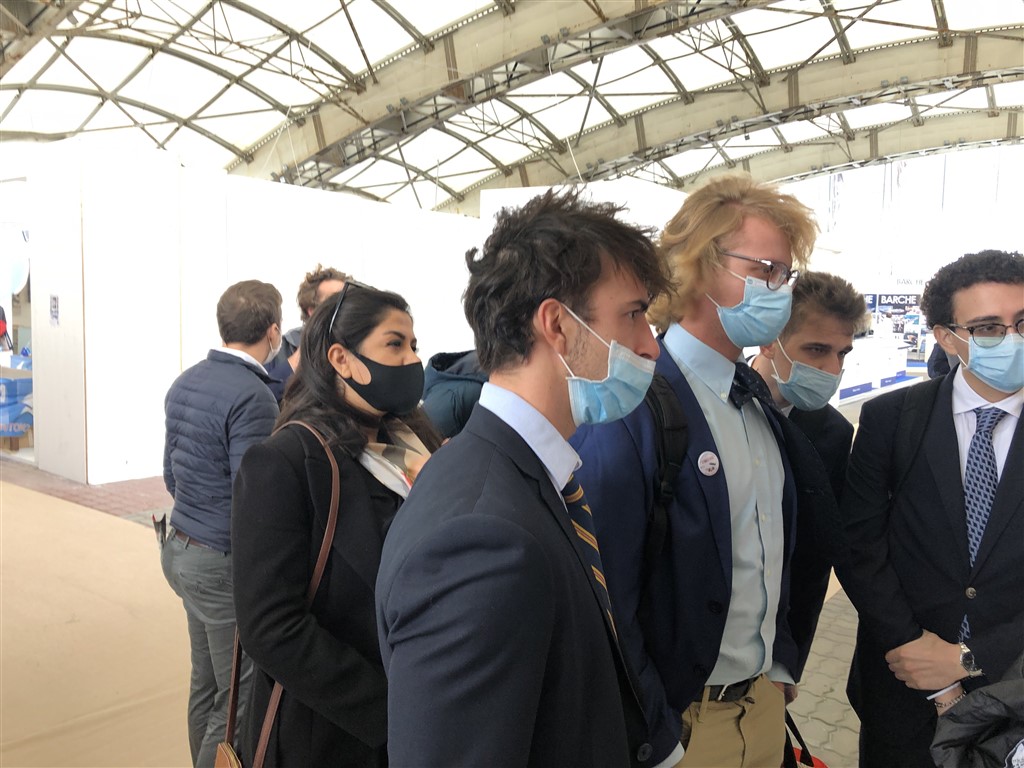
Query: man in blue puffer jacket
[[214, 411]]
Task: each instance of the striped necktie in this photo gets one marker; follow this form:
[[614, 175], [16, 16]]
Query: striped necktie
[[583, 522], [981, 477]]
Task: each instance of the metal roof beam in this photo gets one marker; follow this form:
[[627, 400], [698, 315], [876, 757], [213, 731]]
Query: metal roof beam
[[168, 116], [839, 32], [826, 87], [353, 82], [556, 35], [941, 23], [757, 72], [44, 25]]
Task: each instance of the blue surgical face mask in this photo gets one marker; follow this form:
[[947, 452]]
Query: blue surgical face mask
[[760, 317], [615, 396], [1001, 366], [808, 388]]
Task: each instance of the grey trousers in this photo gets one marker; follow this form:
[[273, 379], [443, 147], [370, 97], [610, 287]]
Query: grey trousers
[[202, 579]]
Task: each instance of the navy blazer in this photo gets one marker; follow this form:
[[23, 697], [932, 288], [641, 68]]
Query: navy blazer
[[495, 645], [910, 568], [674, 652]]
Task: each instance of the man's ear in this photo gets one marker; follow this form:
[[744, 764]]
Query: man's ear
[[549, 325], [768, 351], [945, 339]]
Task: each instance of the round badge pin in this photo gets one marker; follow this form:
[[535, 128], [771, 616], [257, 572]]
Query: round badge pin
[[708, 463]]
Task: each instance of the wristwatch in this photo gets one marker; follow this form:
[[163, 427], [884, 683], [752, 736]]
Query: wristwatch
[[968, 663]]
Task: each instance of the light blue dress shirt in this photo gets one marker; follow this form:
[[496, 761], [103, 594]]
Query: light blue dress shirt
[[755, 475], [557, 456]]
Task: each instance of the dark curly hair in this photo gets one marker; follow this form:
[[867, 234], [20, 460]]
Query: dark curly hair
[[314, 393], [984, 267], [554, 247]]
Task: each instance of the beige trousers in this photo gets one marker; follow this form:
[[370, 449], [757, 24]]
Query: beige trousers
[[748, 733]]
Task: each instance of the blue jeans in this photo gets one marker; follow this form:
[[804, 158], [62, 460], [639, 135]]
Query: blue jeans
[[202, 579]]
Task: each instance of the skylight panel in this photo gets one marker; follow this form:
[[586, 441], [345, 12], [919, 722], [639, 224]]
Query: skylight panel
[[380, 35], [877, 114], [971, 14], [419, 194], [63, 72], [106, 62], [508, 146], [224, 27], [754, 143], [108, 117], [800, 131], [285, 89], [174, 85], [48, 112], [935, 103], [1009, 94], [239, 129], [427, 150], [780, 39], [693, 161], [573, 115], [881, 24]]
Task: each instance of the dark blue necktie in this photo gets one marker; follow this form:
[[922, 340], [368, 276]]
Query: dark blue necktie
[[583, 522], [981, 477], [746, 385]]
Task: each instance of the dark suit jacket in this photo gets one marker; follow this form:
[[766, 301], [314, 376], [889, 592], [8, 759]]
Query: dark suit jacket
[[674, 651], [334, 706], [910, 569], [820, 539], [496, 648]]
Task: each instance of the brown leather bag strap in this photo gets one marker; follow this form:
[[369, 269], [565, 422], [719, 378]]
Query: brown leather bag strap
[[236, 659], [314, 584]]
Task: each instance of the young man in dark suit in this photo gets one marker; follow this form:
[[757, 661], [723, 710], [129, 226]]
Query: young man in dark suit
[[935, 567], [704, 622], [802, 369], [493, 613]]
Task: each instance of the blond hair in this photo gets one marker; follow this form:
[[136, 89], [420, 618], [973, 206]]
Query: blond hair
[[691, 241]]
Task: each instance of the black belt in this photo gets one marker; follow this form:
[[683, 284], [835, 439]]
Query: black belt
[[190, 541], [731, 692]]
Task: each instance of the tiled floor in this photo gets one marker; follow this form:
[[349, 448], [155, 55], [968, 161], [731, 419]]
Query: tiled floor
[[133, 499], [826, 721]]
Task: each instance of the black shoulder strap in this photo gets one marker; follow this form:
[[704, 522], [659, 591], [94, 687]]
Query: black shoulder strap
[[670, 426], [917, 407]]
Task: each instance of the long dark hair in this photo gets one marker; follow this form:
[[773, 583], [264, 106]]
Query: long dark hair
[[313, 394]]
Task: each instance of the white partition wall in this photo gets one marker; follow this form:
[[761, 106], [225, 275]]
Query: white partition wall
[[138, 250]]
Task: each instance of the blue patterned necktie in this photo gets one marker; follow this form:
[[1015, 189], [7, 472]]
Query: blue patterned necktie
[[980, 480], [746, 385], [583, 522]]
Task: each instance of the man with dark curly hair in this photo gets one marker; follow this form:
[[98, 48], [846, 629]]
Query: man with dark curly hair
[[935, 518], [492, 607]]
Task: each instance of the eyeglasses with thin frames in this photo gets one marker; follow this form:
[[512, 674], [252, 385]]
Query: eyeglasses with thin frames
[[778, 273], [990, 334]]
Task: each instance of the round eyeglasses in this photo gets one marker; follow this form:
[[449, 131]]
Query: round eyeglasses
[[990, 334], [776, 274]]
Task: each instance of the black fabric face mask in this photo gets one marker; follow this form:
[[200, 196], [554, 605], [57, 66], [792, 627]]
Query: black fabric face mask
[[394, 389]]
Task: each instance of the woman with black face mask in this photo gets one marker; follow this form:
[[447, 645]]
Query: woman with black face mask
[[359, 387]]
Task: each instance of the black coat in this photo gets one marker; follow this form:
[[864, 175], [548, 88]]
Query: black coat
[[910, 568], [334, 708]]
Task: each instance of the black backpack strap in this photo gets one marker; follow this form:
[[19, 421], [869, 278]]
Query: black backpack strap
[[914, 415], [671, 429]]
